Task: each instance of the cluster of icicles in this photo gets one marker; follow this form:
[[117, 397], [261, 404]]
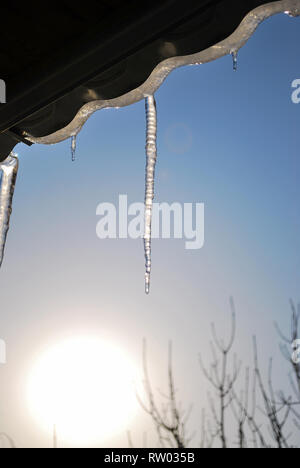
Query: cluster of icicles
[[231, 45], [9, 169]]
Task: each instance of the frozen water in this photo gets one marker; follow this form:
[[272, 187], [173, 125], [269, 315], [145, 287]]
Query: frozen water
[[232, 43], [151, 154], [8, 175], [73, 147], [235, 60]]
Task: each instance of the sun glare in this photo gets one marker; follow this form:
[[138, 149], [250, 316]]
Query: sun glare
[[84, 386]]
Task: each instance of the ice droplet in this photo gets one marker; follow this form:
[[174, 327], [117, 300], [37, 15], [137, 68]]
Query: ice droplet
[[234, 54], [293, 13], [151, 157], [8, 176], [73, 147]]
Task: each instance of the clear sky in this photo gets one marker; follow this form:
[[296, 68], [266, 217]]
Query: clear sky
[[229, 140]]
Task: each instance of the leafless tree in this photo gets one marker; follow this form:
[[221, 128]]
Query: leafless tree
[[276, 412], [240, 407], [287, 346], [170, 420], [221, 379], [262, 416]]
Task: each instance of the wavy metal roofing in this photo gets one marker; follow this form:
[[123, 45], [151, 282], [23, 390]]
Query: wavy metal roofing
[[58, 57]]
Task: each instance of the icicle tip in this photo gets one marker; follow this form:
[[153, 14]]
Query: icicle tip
[[147, 284]]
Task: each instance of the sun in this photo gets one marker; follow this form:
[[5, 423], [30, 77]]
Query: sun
[[85, 387]]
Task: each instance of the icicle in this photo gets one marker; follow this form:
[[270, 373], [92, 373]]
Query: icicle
[[8, 175], [73, 147], [234, 54], [151, 153]]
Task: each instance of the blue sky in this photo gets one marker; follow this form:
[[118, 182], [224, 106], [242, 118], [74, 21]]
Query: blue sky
[[229, 140]]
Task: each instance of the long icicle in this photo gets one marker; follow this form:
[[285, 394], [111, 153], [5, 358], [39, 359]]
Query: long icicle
[[8, 176], [151, 153]]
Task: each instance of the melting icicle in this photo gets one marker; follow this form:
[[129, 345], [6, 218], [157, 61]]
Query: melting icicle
[[8, 175], [234, 54], [151, 153], [73, 147]]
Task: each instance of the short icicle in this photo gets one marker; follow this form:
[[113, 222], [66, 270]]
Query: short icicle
[[8, 176], [151, 153], [234, 54], [73, 147]]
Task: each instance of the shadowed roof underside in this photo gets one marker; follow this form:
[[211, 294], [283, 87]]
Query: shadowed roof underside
[[61, 58]]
